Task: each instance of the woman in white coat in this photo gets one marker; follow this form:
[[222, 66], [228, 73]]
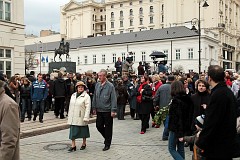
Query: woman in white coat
[[78, 116]]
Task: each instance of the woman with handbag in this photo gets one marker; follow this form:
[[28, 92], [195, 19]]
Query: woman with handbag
[[78, 116], [144, 103]]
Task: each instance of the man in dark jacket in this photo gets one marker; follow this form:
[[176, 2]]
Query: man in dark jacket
[[219, 131], [59, 93], [118, 65]]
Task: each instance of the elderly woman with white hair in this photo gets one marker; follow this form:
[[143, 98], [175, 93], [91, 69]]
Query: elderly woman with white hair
[[236, 85], [78, 115]]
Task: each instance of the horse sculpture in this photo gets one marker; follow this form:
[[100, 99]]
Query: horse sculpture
[[60, 51]]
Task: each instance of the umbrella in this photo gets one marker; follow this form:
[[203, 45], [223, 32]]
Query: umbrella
[[157, 54]]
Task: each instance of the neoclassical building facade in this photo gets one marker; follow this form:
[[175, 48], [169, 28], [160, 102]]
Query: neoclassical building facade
[[12, 37], [110, 17]]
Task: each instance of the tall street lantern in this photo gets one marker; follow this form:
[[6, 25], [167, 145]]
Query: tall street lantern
[[199, 32]]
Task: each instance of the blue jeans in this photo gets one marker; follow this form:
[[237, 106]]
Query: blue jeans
[[174, 143], [165, 131], [26, 107], [38, 106]]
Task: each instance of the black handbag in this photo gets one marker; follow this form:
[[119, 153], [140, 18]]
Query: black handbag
[[146, 98]]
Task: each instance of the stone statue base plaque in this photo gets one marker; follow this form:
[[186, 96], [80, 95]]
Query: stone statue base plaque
[[70, 66]]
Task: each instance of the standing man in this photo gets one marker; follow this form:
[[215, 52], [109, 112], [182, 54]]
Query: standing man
[[161, 99], [219, 131], [10, 127], [140, 69], [105, 106], [118, 66], [59, 93], [39, 94]]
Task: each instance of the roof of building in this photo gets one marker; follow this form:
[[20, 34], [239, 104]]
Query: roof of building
[[141, 36]]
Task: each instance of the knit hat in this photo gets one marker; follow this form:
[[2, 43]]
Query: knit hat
[[200, 120]]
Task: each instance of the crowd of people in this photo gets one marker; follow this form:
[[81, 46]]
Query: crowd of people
[[203, 108]]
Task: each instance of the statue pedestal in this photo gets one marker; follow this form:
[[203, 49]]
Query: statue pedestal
[[70, 66]]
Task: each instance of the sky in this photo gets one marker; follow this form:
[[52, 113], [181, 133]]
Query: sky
[[42, 14]]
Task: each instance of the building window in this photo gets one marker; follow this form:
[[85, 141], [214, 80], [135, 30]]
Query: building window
[[112, 14], [133, 56], [112, 33], [112, 6], [94, 59], [166, 53], [6, 67], [123, 57], [141, 21], [130, 3], [85, 59], [143, 56], [101, 18], [177, 54], [1, 53], [8, 53], [101, 10], [103, 58], [162, 7], [78, 62], [151, 28], [131, 12], [151, 19], [140, 1], [121, 13], [141, 10], [121, 5], [131, 22], [114, 58], [131, 31], [93, 26], [151, 9], [93, 17], [162, 18], [121, 23], [2, 66], [190, 53], [5, 10], [121, 32], [150, 0], [112, 24]]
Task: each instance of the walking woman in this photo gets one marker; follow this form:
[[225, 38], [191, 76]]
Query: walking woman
[[144, 103], [78, 116], [180, 120]]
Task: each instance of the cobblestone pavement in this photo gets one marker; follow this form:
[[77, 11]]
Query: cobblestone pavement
[[127, 144]]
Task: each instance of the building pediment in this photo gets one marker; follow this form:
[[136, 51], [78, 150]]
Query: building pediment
[[71, 5]]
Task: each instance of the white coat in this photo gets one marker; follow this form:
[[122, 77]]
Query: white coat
[[79, 109]]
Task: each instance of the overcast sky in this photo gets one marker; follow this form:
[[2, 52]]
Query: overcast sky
[[42, 14]]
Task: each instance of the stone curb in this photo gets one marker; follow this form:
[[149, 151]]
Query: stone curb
[[52, 129]]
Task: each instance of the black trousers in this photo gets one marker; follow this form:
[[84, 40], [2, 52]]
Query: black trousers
[[132, 112], [104, 124], [59, 106], [145, 121]]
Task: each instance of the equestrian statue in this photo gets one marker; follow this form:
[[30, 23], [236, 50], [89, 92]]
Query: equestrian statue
[[63, 49]]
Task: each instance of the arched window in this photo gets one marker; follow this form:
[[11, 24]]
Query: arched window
[[112, 14], [121, 13], [141, 10], [151, 9], [131, 12]]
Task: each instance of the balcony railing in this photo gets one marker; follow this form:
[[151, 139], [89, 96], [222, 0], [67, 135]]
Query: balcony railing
[[100, 20], [100, 30]]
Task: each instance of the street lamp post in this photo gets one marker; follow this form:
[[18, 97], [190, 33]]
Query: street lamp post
[[41, 57], [199, 33]]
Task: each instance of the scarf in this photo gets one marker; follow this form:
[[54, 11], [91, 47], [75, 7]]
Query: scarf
[[139, 97]]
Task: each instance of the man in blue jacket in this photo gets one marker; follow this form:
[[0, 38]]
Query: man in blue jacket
[[39, 93]]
